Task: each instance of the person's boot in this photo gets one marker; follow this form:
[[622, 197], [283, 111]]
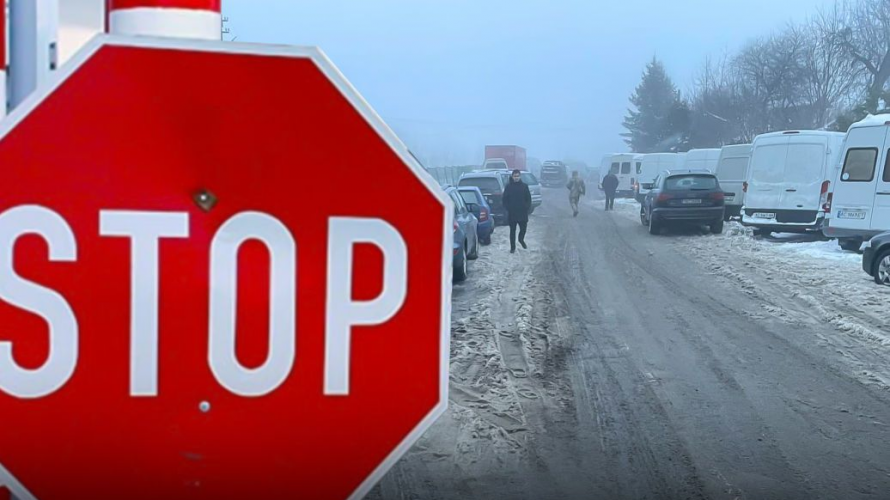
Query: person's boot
[[523, 245], [513, 250]]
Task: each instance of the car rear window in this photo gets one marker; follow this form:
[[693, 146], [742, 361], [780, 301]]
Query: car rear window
[[859, 166], [470, 197], [687, 182], [529, 179], [625, 167], [487, 185]]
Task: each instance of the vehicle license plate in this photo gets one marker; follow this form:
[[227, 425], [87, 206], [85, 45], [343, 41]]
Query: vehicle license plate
[[851, 214]]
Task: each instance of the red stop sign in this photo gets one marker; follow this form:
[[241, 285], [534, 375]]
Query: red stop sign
[[221, 276]]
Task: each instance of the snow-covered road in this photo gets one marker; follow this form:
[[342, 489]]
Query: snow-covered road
[[608, 363]]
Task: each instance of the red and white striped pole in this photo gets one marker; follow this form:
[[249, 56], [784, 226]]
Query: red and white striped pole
[[3, 84], [171, 18]]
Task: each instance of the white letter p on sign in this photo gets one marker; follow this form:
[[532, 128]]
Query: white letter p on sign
[[342, 312]]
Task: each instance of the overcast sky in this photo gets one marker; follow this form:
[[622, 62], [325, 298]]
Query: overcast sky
[[552, 75]]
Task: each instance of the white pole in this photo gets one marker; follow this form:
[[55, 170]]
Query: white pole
[[33, 37], [200, 19], [3, 82]]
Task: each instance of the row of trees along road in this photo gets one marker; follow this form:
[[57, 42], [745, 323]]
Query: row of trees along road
[[823, 74]]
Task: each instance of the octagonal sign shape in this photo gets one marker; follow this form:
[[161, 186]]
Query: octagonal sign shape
[[221, 276]]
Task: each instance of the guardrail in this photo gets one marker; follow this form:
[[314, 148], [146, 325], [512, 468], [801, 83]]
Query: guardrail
[[450, 175]]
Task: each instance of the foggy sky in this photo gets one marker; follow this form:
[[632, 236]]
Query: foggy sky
[[552, 75]]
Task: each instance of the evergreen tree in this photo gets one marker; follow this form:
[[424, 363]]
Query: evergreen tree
[[656, 124]]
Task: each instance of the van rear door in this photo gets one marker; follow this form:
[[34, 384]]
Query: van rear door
[[881, 216], [854, 192], [805, 170], [766, 176]]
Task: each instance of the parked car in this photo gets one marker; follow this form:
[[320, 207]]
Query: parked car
[[859, 207], [492, 185], [790, 180], [554, 174], [650, 166], [876, 258], [466, 239], [732, 170], [478, 205], [684, 197]]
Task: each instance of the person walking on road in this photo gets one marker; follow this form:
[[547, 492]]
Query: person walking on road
[[577, 189], [518, 202], [610, 186]]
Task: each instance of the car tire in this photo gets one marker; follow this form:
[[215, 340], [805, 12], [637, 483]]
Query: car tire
[[717, 227], [486, 240], [475, 254], [881, 270], [654, 226], [460, 273], [850, 244], [643, 220]]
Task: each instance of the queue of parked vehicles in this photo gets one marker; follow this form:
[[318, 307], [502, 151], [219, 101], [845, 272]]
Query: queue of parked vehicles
[[796, 181], [478, 202]]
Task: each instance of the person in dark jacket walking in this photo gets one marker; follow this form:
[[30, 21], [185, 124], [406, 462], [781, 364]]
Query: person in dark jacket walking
[[610, 186], [518, 202]]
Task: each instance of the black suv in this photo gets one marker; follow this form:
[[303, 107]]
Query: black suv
[[684, 196], [492, 185], [876, 258]]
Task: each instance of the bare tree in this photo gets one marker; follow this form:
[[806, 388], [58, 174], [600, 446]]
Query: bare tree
[[864, 33]]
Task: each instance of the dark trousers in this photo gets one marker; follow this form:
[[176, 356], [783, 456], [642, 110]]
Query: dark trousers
[[610, 201], [523, 225]]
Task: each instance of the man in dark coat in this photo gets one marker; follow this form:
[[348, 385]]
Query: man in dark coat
[[610, 186], [518, 202]]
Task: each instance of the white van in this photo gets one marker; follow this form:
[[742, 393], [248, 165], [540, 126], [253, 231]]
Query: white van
[[859, 208], [652, 165], [703, 159], [790, 179], [624, 167], [732, 171]]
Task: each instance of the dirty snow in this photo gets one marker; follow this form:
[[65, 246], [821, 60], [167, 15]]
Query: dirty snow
[[800, 281]]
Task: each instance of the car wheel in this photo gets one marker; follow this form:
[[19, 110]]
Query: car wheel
[[882, 268], [475, 254], [850, 244], [643, 216], [460, 272], [717, 227], [654, 226]]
